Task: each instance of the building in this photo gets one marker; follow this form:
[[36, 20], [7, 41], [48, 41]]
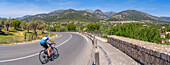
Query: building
[[163, 35], [167, 41], [167, 33], [163, 27]]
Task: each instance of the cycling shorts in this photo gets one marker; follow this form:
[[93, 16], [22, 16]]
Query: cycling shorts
[[44, 45]]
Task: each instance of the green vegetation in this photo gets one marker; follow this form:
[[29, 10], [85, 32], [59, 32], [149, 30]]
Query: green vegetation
[[72, 20], [167, 36], [164, 43], [77, 17], [15, 36], [64, 16], [71, 27], [136, 31], [133, 15], [16, 23], [13, 30], [92, 27], [53, 29]]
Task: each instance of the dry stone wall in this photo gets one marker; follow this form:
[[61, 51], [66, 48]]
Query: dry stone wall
[[144, 52]]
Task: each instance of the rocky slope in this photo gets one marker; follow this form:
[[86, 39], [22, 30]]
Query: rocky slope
[[127, 15], [133, 15], [165, 18], [110, 14]]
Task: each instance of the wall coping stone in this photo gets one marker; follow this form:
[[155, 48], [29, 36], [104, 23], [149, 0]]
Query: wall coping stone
[[148, 45]]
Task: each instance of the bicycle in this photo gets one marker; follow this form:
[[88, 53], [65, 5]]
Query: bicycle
[[43, 56]]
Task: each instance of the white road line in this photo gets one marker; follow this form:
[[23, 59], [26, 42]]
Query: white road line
[[83, 36], [33, 54], [59, 36], [64, 41]]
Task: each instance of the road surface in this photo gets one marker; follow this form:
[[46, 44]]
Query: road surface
[[74, 49]]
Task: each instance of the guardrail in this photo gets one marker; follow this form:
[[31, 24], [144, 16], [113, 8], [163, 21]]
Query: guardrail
[[95, 53]]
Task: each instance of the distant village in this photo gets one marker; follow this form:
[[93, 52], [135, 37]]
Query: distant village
[[163, 36]]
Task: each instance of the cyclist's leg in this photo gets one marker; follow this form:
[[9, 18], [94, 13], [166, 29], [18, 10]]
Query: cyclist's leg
[[48, 52], [47, 49]]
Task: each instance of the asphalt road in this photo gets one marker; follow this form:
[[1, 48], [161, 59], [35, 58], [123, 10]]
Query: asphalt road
[[74, 49]]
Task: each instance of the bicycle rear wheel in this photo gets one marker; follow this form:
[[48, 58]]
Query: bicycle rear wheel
[[43, 57]]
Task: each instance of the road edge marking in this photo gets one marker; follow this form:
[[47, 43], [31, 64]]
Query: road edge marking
[[32, 54]]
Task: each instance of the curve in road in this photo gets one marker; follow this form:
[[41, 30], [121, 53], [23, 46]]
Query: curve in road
[[74, 49]]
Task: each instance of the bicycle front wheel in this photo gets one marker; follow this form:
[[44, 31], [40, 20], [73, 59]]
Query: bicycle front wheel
[[55, 53]]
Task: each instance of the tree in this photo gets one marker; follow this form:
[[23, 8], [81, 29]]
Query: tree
[[42, 26], [34, 25], [16, 24], [1, 26], [168, 36], [28, 26], [7, 23], [53, 29], [71, 27], [23, 24], [62, 29], [136, 31], [93, 27], [2, 22], [82, 28]]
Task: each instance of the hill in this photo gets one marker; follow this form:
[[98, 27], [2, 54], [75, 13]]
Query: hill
[[90, 15], [110, 14], [130, 15], [75, 17], [54, 15], [165, 18], [99, 14]]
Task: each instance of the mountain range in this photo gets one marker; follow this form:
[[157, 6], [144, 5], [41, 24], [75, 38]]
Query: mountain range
[[93, 16], [166, 18]]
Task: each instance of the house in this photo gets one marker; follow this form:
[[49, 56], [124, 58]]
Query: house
[[163, 27], [167, 33], [163, 35], [167, 41], [144, 25]]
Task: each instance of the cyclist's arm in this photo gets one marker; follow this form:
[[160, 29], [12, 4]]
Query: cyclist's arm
[[52, 41]]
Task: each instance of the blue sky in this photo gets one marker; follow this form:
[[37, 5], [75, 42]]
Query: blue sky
[[19, 8]]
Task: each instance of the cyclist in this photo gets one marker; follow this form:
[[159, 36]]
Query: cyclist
[[44, 43]]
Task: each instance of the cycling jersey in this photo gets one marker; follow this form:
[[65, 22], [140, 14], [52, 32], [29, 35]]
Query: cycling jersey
[[44, 40]]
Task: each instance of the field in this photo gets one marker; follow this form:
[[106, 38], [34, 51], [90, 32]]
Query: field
[[15, 36]]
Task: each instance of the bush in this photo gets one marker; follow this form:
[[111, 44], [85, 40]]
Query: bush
[[53, 29], [16, 23], [168, 36], [62, 29], [135, 31], [71, 27], [92, 27]]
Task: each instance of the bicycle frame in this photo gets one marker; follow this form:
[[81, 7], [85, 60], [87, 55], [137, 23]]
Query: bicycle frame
[[43, 57]]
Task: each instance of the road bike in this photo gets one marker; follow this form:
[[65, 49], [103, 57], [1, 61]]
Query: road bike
[[43, 55]]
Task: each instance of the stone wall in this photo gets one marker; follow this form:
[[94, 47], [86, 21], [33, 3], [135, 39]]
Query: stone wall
[[144, 52]]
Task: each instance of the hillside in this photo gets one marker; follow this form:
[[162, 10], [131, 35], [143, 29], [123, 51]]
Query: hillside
[[136, 16], [54, 15], [165, 18], [90, 15], [99, 14], [110, 14], [76, 17]]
